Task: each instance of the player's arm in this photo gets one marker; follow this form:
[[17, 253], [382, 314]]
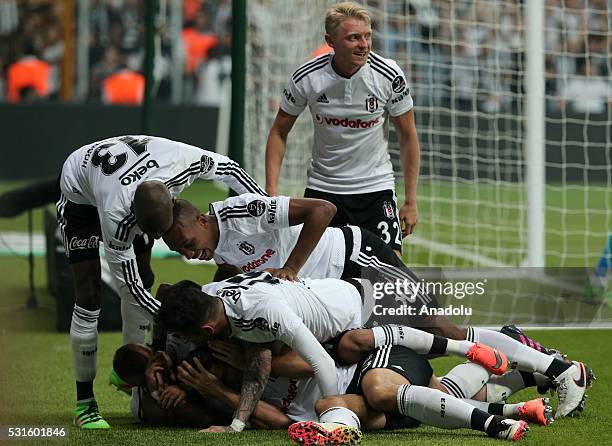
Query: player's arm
[[275, 148], [315, 214], [208, 385], [306, 345], [224, 169], [410, 156], [254, 379], [291, 365]]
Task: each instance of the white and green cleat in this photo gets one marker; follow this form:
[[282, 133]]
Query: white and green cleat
[[87, 416]]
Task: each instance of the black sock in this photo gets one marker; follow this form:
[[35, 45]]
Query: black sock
[[438, 346], [496, 408], [479, 419], [528, 379], [556, 368], [84, 390]]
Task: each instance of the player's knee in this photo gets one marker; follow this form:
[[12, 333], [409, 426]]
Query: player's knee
[[380, 396], [325, 403]]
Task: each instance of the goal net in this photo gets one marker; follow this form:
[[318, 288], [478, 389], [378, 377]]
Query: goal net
[[466, 65]]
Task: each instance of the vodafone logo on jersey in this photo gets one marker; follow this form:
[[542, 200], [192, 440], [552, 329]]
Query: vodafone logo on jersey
[[250, 266], [345, 122]]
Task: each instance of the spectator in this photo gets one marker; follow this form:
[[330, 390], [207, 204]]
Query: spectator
[[124, 87], [586, 92], [29, 71]]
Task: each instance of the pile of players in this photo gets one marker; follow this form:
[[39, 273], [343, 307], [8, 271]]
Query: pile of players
[[276, 340]]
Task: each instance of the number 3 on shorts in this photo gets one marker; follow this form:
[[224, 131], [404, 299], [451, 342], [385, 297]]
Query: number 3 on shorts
[[383, 227]]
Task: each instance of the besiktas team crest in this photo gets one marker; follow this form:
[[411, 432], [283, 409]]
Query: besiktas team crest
[[371, 104]]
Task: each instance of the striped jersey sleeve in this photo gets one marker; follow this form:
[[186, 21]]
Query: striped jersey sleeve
[[294, 99], [398, 99]]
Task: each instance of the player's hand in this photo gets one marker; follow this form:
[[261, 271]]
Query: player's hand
[[198, 378], [285, 272], [218, 429], [409, 217], [172, 396], [159, 371], [228, 352]]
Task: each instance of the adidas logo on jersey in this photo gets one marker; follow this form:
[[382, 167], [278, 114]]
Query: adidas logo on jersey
[[323, 99]]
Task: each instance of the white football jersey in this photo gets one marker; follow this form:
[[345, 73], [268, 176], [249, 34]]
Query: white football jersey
[[261, 308], [254, 234], [106, 173], [350, 118], [296, 398]]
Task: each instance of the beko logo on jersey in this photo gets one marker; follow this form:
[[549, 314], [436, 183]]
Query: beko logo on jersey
[[136, 174], [83, 243], [401, 97], [289, 96], [258, 262], [272, 211], [350, 123]]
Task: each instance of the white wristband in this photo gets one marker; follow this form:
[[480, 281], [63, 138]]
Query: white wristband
[[237, 425]]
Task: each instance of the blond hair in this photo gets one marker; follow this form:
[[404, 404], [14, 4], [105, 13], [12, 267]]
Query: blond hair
[[337, 13]]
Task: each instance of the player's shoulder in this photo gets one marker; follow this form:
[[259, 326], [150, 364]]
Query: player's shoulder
[[244, 205], [310, 68], [385, 70]]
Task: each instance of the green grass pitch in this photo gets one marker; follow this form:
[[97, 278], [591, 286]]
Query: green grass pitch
[[36, 378]]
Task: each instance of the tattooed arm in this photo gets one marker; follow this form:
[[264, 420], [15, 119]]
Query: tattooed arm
[[258, 366]]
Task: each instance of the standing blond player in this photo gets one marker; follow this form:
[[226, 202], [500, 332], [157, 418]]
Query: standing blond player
[[352, 94]]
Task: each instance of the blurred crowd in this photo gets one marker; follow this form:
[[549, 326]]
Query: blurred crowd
[[471, 54], [32, 50], [468, 54]]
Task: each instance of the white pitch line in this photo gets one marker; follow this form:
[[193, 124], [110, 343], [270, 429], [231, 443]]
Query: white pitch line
[[455, 252]]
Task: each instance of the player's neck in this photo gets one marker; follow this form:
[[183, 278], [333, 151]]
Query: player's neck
[[344, 70]]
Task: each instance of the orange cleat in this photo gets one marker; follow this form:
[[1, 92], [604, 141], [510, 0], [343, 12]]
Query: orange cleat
[[537, 411], [311, 433], [494, 361]]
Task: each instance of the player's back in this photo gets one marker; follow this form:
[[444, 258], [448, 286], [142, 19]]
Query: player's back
[[325, 306]]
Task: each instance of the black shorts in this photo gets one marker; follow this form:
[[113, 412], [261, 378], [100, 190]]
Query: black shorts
[[404, 361], [81, 231], [375, 211], [367, 257]]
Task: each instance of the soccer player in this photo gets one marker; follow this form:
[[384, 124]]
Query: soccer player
[[260, 309], [253, 233], [367, 397], [352, 94], [120, 190]]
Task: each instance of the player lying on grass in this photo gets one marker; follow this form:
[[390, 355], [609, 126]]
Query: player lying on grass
[[260, 309], [368, 390], [288, 236]]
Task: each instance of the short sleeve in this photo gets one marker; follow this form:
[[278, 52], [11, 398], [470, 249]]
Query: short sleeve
[[399, 98], [293, 100]]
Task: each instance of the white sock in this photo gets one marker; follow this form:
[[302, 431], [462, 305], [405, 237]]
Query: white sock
[[418, 340], [84, 341], [340, 415], [135, 322], [526, 358], [465, 380], [433, 407]]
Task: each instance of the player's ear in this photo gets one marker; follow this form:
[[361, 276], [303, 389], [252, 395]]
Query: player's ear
[[329, 39], [207, 328], [201, 218]]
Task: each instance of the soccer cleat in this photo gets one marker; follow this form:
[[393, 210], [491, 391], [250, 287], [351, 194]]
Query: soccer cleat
[[311, 433], [507, 429], [571, 387], [87, 416], [537, 411], [493, 361], [115, 381]]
